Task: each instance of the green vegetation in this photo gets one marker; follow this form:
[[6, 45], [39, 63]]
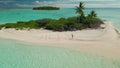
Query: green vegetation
[[63, 24], [21, 25], [1, 27], [46, 8], [80, 8]]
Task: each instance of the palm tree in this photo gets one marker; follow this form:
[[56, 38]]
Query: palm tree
[[80, 8], [92, 14]]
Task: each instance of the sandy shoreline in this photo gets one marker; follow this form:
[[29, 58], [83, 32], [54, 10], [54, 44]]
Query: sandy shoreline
[[103, 42]]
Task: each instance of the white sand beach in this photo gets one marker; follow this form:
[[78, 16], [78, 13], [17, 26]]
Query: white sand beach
[[104, 42]]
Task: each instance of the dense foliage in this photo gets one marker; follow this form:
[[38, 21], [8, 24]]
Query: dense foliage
[[63, 24], [21, 25], [46, 8]]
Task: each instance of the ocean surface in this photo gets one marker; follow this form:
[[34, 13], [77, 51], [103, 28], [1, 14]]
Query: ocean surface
[[13, 15], [14, 54]]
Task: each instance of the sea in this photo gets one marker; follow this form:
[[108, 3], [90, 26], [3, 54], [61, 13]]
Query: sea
[[16, 54], [14, 15]]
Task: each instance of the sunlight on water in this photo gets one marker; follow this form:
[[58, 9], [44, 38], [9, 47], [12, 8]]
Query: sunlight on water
[[14, 54]]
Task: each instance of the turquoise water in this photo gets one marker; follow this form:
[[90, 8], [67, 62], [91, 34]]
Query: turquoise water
[[13, 15], [14, 54]]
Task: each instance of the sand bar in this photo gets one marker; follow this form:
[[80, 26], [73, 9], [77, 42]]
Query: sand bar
[[104, 42]]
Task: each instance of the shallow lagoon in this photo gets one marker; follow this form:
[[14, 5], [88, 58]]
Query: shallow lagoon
[[14, 54]]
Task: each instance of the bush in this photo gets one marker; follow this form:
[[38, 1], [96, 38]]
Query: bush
[[21, 25], [63, 24], [72, 19], [43, 22], [9, 25], [1, 27], [32, 24], [92, 22], [55, 25]]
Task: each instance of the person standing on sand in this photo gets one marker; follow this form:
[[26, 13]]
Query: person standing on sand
[[72, 36]]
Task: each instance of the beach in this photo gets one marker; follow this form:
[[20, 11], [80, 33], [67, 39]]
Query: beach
[[102, 42]]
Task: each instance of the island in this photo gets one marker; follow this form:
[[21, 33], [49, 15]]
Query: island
[[81, 41], [82, 21], [46, 8]]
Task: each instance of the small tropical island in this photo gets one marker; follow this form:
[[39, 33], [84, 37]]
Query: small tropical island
[[45, 43], [46, 8], [82, 21]]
